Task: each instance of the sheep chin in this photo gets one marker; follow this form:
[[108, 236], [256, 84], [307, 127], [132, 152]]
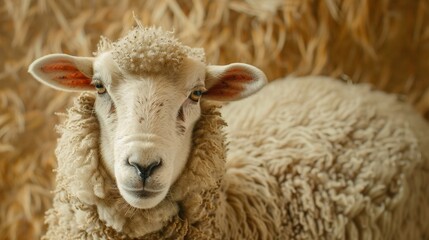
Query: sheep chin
[[143, 200]]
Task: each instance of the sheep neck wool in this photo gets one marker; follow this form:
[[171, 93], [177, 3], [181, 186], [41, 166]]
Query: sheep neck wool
[[88, 199]]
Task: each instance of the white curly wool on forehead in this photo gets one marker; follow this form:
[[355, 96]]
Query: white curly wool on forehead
[[149, 50]]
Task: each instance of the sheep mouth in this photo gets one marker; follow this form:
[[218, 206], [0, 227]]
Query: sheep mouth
[[142, 197], [144, 193]]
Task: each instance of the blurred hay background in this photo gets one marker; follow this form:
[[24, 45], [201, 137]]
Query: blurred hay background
[[385, 42]]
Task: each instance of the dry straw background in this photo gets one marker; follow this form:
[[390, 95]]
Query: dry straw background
[[384, 42]]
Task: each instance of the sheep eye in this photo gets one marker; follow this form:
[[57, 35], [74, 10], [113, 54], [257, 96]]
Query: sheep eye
[[196, 95], [99, 87]]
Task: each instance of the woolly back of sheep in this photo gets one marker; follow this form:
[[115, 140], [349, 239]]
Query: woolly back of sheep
[[350, 162], [388, 47]]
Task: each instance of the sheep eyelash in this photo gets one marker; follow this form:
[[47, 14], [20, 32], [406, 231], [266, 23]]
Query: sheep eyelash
[[199, 88], [96, 78], [101, 88]]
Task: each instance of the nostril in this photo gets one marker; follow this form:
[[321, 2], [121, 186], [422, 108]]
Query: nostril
[[132, 161], [145, 172], [152, 167]]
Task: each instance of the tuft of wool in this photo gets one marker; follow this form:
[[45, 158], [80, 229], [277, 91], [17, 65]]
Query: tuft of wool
[[87, 204], [149, 50]]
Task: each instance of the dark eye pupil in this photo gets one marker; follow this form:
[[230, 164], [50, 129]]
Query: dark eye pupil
[[198, 93], [99, 85]]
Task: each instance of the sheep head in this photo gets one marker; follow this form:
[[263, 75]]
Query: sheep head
[[148, 88]]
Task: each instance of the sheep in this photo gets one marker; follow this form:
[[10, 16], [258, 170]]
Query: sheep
[[149, 152]]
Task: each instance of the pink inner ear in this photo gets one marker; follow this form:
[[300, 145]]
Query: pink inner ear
[[231, 85], [237, 75], [66, 73], [224, 91]]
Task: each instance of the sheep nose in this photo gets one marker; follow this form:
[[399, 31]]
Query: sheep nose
[[145, 171]]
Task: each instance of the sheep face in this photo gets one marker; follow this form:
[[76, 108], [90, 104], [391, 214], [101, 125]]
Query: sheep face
[[146, 126], [146, 120]]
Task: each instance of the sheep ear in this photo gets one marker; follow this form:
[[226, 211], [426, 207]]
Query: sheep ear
[[233, 82], [64, 72]]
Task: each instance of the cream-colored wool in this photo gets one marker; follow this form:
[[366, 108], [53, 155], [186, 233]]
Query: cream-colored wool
[[307, 159], [348, 162], [149, 50]]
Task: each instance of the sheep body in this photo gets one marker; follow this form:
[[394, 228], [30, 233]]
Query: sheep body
[[307, 158], [338, 162]]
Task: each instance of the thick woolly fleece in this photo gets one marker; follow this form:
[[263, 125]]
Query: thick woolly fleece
[[307, 159], [338, 161]]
